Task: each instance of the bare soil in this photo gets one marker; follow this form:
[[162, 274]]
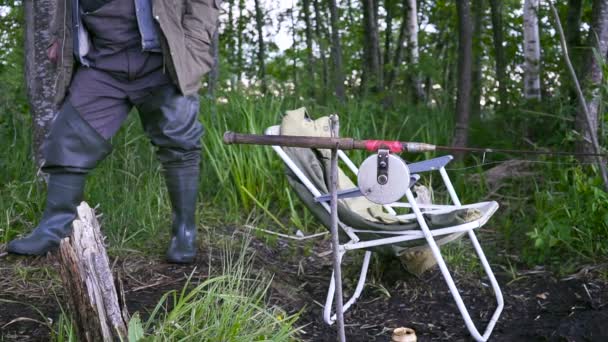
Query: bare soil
[[538, 305]]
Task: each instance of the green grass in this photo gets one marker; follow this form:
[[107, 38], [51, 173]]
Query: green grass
[[230, 306], [244, 184]]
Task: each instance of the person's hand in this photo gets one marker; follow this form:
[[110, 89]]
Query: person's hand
[[52, 52]]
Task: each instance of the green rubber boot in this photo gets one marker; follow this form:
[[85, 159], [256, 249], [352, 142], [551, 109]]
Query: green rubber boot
[[182, 185], [71, 150], [64, 194]]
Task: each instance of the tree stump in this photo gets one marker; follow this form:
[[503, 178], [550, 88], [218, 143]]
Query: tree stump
[[88, 281]]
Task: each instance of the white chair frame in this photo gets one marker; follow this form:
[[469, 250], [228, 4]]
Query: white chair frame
[[393, 237]]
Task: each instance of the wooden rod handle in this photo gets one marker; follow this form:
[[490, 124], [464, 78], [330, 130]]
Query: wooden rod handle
[[292, 141]]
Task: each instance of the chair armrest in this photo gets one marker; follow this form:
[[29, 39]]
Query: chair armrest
[[356, 192], [347, 193], [429, 165]]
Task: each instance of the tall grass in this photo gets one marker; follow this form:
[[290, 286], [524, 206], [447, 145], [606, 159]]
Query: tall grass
[[230, 306], [241, 183], [236, 181]]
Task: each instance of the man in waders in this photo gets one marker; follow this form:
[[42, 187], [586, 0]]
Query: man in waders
[[112, 55]]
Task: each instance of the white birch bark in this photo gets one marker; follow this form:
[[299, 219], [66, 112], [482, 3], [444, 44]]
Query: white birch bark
[[593, 76], [531, 50], [412, 42], [39, 72]]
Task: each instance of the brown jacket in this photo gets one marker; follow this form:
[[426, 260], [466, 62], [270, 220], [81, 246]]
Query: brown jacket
[[187, 27]]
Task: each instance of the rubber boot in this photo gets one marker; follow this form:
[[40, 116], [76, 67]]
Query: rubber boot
[[64, 194], [182, 185], [71, 150], [170, 120]]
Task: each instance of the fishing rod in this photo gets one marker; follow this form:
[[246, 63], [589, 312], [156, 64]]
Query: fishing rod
[[374, 145]]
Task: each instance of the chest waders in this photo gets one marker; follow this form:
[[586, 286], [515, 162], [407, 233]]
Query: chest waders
[[120, 77]]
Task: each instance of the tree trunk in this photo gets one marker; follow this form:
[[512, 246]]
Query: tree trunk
[[240, 65], [310, 67], [574, 42], [319, 32], [87, 278], [398, 56], [478, 17], [593, 76], [349, 12], [214, 73], [371, 48], [336, 51], [40, 73], [531, 51], [229, 37], [573, 30], [388, 37], [499, 52], [294, 46], [461, 129], [414, 54], [259, 24]]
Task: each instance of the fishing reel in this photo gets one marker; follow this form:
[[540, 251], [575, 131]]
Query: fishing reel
[[383, 178]]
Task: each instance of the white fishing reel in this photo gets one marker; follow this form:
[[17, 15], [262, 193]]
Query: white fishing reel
[[383, 178]]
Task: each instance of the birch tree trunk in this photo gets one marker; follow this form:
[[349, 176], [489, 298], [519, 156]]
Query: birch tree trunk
[[414, 54], [259, 25], [229, 34], [531, 51], [499, 51], [214, 73], [593, 76], [336, 51], [461, 129], [40, 73]]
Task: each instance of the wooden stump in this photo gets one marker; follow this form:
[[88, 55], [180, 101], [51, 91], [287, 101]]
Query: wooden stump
[[88, 281]]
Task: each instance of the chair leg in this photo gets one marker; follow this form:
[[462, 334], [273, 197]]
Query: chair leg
[[450, 282], [330, 318], [495, 286]]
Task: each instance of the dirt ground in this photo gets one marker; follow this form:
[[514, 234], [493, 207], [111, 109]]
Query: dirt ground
[[538, 306]]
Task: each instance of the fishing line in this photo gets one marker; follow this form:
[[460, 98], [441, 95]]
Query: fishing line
[[522, 160]]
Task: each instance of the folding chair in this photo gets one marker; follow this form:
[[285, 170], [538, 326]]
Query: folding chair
[[416, 227]]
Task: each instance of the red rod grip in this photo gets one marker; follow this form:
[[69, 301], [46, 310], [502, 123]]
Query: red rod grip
[[374, 145]]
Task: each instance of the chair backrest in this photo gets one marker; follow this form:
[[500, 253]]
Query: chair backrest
[[315, 179], [307, 177]]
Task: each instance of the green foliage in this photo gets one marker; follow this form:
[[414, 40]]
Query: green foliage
[[229, 307], [135, 328], [571, 219], [246, 183], [64, 330]]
